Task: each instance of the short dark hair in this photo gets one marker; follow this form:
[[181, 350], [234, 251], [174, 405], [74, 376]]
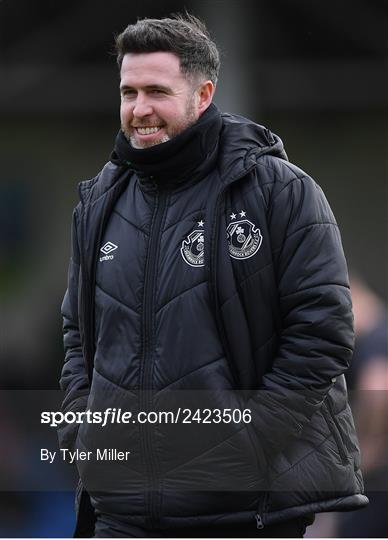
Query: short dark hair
[[184, 35]]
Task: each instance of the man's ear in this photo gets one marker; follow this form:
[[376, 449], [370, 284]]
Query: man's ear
[[205, 93]]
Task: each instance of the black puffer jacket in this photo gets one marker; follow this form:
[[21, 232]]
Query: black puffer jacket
[[222, 286]]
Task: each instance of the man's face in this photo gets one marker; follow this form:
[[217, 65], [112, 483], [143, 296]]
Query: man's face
[[157, 101]]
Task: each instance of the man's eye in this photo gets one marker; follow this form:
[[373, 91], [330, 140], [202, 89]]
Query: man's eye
[[128, 93]]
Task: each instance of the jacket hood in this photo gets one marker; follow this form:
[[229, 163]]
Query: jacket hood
[[241, 143]]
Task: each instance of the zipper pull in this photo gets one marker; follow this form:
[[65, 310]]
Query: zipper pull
[[259, 522]]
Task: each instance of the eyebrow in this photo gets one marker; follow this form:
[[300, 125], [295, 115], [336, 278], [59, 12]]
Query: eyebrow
[[148, 87]]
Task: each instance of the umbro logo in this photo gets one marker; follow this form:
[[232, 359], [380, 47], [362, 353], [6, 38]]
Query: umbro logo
[[107, 248]]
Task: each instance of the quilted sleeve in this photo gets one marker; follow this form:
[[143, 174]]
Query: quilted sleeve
[[74, 380], [316, 336]]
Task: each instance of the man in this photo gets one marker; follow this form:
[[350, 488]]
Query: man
[[207, 277]]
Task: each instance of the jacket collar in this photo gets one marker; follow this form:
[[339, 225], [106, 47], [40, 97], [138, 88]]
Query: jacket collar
[[240, 142], [186, 158]]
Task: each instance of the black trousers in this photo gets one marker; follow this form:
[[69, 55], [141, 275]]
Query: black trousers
[[294, 528]]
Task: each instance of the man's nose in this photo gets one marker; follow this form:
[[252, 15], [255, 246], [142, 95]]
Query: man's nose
[[142, 107]]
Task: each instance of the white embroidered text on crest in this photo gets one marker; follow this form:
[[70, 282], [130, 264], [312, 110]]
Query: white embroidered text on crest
[[244, 239], [192, 249]]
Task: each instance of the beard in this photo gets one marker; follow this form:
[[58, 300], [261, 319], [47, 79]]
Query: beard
[[146, 144], [189, 118]]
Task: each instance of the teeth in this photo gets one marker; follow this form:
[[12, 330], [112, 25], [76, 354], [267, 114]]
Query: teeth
[[147, 130]]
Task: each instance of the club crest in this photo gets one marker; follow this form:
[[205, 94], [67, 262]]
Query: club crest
[[192, 249], [244, 239]]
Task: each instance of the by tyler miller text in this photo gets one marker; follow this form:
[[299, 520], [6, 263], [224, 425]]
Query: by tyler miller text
[[72, 456]]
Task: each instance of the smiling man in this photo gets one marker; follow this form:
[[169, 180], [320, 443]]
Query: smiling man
[[157, 100], [208, 298]]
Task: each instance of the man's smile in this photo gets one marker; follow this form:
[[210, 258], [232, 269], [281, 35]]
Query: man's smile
[[147, 130]]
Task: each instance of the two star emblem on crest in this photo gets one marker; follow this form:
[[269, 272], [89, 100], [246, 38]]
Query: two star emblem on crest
[[241, 214]]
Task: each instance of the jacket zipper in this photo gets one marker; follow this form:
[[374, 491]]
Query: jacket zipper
[[148, 340], [260, 514], [212, 278], [259, 522]]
